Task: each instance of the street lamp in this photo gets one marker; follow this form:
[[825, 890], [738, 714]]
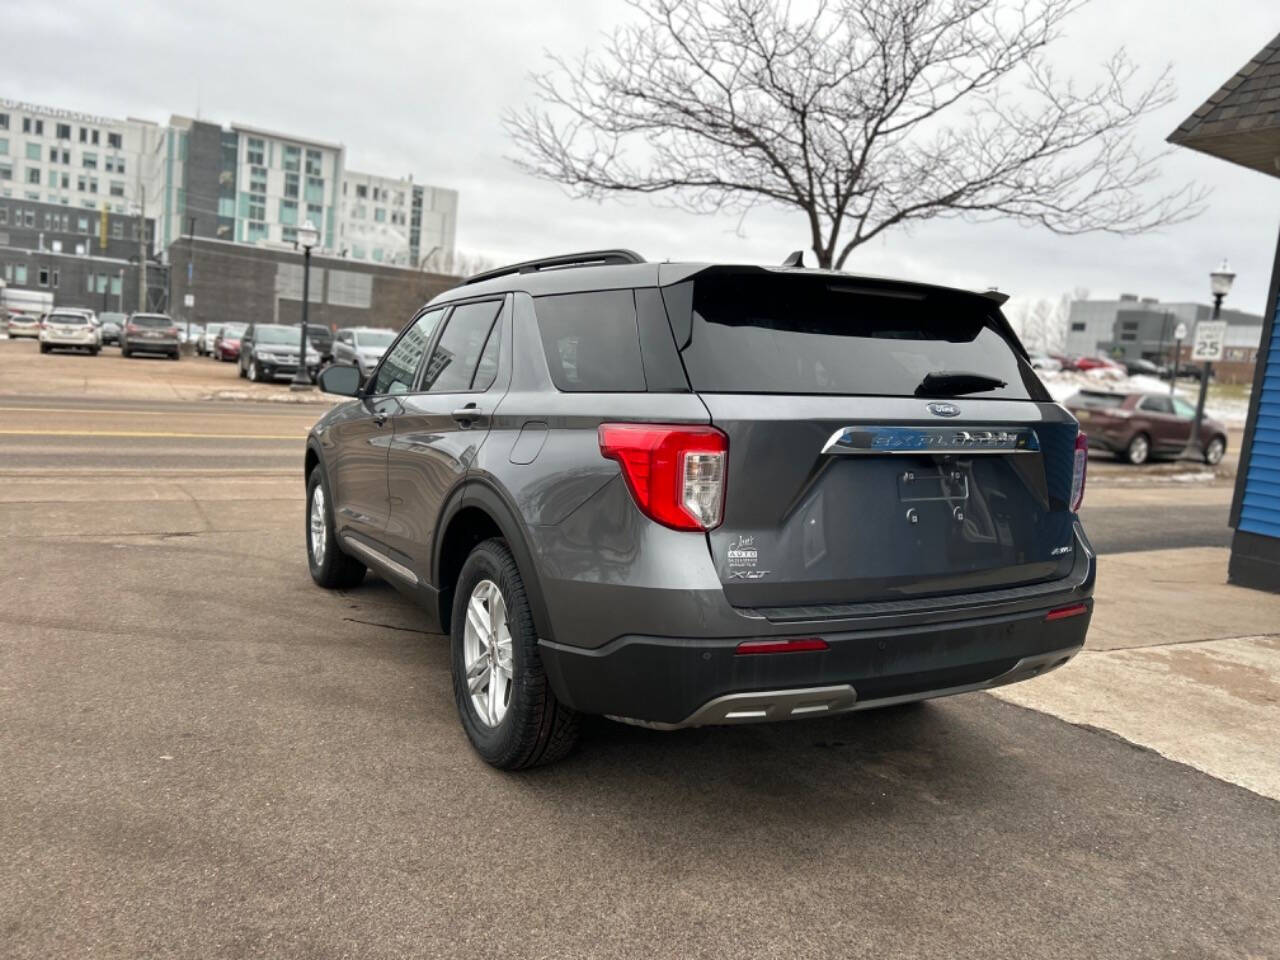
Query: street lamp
[[1220, 281], [308, 236]]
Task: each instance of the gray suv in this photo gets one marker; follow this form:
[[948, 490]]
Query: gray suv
[[684, 494]]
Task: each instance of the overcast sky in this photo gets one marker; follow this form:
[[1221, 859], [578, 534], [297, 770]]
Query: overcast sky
[[420, 86]]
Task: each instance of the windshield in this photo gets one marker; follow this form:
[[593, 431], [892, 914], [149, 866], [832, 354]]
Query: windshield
[[274, 334], [213, 328], [150, 320], [68, 318], [113, 317], [765, 333], [232, 331], [374, 338]]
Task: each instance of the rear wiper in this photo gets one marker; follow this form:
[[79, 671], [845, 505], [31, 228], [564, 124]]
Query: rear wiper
[[953, 383]]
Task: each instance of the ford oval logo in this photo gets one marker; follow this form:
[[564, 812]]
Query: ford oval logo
[[944, 409]]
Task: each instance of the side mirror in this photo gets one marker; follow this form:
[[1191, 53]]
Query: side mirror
[[341, 379]]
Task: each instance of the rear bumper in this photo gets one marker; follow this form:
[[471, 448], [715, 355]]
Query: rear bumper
[[153, 346], [673, 683]]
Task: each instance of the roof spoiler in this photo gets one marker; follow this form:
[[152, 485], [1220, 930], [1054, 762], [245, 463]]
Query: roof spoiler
[[994, 295], [588, 258]]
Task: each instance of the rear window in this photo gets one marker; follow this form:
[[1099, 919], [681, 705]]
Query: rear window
[[592, 341], [68, 319], [761, 333], [1097, 401], [232, 330], [150, 320]]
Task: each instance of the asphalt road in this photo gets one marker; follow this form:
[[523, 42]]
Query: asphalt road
[[205, 755], [1122, 529]]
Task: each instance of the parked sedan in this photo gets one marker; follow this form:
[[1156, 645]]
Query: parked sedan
[[1139, 426], [69, 330], [24, 325], [362, 347], [1144, 367], [150, 333], [112, 323], [226, 345], [1097, 363], [269, 351], [1045, 363]]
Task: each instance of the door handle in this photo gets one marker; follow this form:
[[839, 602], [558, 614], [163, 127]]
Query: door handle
[[379, 418], [467, 415]]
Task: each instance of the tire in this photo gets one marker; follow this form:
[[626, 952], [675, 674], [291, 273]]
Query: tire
[[1139, 449], [124, 352], [335, 569], [1215, 449], [532, 726], [175, 356], [94, 351], [254, 374], [44, 348]]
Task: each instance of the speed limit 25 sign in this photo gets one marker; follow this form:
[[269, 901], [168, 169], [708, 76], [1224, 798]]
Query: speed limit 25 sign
[[1211, 336]]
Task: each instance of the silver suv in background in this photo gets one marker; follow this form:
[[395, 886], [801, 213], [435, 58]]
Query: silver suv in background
[[362, 347], [69, 329], [150, 333], [680, 494]]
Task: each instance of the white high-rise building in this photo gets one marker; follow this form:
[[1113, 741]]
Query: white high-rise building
[[70, 158], [393, 220]]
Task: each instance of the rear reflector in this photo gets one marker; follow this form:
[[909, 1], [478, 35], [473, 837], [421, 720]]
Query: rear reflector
[[1063, 612], [800, 645]]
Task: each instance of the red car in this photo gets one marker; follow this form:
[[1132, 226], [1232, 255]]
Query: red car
[[226, 346], [1094, 363], [1139, 426]]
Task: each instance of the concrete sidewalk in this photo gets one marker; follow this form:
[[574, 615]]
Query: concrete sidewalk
[[1180, 662]]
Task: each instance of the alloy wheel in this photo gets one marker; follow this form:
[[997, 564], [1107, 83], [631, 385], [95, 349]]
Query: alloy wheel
[[1139, 449], [486, 653], [316, 528], [1213, 453]]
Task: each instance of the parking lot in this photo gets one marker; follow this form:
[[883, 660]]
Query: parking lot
[[206, 755]]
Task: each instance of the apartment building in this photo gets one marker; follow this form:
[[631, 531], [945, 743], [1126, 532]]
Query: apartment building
[[394, 220], [71, 159]]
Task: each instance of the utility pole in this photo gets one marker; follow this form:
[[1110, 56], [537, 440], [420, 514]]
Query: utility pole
[[191, 229], [142, 243]]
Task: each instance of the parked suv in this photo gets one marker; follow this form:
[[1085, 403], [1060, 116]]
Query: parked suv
[[270, 350], [1138, 426], [150, 333], [681, 494], [362, 347], [69, 329]]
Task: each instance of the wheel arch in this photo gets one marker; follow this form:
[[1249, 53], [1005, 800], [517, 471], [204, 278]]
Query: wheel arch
[[474, 512]]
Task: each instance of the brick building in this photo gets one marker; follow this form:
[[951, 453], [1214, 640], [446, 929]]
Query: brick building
[[231, 281]]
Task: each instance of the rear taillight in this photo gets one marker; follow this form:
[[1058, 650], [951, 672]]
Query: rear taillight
[[676, 474], [172, 331], [1079, 467], [130, 328]]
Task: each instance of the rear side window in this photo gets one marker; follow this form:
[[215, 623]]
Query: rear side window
[[763, 333], [591, 341]]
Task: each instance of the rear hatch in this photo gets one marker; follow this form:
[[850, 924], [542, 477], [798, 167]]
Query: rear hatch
[[861, 467]]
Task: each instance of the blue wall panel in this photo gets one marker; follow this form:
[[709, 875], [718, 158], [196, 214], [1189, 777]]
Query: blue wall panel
[[1260, 507]]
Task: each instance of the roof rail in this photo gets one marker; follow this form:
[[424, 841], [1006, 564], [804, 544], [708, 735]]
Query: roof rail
[[588, 258]]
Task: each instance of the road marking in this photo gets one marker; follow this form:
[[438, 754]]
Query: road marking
[[144, 433]]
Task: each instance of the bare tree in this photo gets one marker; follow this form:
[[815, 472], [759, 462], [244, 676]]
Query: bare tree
[[863, 114], [456, 263], [1042, 325]]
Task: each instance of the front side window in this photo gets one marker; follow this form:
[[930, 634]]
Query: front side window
[[401, 362], [1183, 409], [454, 363]]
